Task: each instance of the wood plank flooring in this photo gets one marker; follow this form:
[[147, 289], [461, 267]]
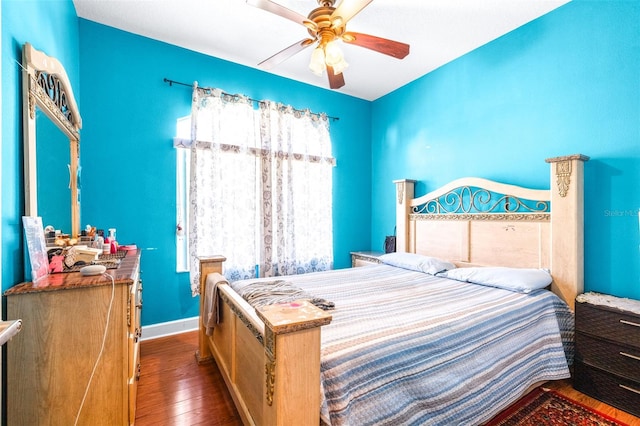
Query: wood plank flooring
[[175, 390]]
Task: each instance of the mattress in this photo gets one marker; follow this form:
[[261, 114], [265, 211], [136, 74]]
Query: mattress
[[406, 347]]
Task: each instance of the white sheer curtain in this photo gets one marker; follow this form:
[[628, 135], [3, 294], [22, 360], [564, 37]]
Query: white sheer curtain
[[222, 192], [260, 187], [296, 193]]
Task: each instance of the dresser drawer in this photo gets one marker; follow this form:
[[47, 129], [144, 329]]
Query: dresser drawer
[[613, 390], [609, 323], [618, 359]]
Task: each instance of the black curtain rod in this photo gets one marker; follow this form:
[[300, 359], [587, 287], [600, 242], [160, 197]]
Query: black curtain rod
[[172, 82]]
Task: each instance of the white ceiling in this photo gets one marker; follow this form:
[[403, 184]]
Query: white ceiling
[[437, 30]]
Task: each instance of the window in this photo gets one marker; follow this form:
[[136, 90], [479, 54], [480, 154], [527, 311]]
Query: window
[[183, 159], [259, 187]]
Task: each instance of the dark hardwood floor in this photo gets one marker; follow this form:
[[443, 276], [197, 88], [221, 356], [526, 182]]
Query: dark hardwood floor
[[175, 390]]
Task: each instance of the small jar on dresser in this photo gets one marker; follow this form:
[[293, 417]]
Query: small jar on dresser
[[607, 351], [364, 258]]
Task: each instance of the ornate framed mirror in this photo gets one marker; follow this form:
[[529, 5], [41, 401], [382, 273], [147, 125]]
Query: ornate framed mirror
[[52, 124]]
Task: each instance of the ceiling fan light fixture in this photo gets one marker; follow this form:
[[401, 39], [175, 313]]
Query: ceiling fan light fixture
[[326, 24], [333, 54], [339, 67], [317, 63], [334, 57]]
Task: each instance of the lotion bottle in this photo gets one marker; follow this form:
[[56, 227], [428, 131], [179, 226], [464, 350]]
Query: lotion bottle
[[112, 240]]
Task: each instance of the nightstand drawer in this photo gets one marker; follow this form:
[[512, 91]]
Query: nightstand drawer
[[623, 361], [613, 390], [365, 258], [362, 262], [608, 323]]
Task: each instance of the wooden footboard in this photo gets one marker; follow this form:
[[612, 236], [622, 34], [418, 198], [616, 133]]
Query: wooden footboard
[[269, 359]]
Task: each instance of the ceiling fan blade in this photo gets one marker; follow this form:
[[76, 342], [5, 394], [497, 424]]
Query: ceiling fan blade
[[285, 54], [279, 10], [382, 45], [348, 9], [335, 81]]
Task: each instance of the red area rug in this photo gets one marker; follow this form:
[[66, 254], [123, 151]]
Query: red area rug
[[547, 407]]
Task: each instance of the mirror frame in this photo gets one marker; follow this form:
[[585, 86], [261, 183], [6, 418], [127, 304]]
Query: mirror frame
[[45, 84]]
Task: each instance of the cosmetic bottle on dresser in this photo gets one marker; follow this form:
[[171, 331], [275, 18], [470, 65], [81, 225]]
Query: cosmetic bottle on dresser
[[112, 241]]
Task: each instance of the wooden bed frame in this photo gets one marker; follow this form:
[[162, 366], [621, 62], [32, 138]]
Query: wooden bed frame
[[270, 359]]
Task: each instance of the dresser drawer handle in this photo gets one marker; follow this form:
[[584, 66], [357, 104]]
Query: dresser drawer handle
[[637, 358], [630, 323], [630, 389]]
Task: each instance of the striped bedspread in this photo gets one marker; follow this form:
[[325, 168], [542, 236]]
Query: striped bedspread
[[407, 348]]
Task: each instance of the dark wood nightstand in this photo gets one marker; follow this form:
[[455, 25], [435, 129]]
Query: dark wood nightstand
[[607, 351], [364, 258]]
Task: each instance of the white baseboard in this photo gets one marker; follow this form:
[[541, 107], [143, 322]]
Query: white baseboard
[[163, 329]]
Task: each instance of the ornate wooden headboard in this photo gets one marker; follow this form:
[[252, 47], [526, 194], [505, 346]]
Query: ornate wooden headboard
[[477, 222]]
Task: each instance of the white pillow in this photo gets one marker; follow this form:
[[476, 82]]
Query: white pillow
[[521, 280], [416, 262]]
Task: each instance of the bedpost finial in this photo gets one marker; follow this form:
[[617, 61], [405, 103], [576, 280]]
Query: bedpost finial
[[401, 189], [564, 169], [563, 173]]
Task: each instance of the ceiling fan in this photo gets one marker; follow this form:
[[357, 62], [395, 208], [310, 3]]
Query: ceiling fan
[[326, 25]]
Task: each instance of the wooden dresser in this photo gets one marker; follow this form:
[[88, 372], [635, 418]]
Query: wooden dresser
[[607, 357], [50, 362]]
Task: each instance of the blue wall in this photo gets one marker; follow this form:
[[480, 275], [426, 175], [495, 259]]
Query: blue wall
[[566, 83], [128, 162], [50, 26]]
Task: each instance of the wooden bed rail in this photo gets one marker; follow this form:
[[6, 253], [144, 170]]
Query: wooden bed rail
[[272, 372]]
